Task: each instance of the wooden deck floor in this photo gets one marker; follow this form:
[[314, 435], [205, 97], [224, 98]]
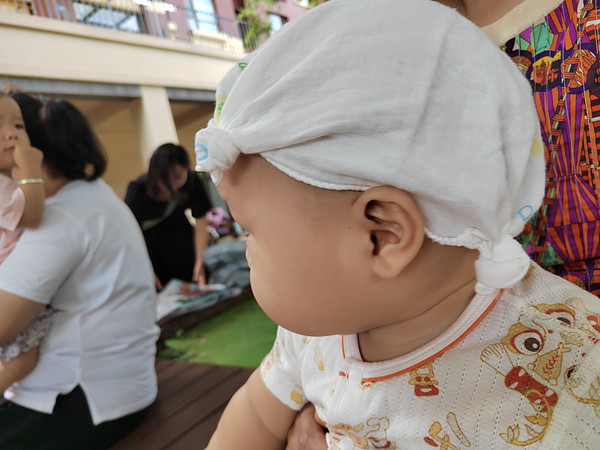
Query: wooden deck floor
[[191, 398]]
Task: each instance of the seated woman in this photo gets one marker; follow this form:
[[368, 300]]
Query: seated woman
[[158, 200], [95, 375]]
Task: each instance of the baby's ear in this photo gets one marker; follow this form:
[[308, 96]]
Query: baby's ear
[[394, 224]]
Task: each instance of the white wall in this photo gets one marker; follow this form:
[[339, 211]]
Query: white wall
[[47, 48]]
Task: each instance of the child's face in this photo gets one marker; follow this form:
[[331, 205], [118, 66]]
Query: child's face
[[12, 132], [303, 271]]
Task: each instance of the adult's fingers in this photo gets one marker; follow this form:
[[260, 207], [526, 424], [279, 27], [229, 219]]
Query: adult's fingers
[[306, 433]]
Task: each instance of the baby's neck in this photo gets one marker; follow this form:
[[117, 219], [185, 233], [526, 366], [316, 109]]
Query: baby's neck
[[402, 338], [423, 302]]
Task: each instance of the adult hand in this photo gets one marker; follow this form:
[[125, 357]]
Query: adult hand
[[307, 432], [157, 283]]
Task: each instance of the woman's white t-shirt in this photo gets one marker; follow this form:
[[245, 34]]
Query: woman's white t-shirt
[[88, 260]]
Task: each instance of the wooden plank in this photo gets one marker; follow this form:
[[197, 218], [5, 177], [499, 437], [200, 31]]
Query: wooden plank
[[200, 416], [161, 365], [173, 394], [167, 369], [198, 437], [180, 381], [188, 396]]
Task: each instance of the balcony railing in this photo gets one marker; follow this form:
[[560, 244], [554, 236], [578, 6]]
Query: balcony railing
[[152, 17]]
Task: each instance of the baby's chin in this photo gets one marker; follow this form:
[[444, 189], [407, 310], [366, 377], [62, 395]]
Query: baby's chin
[[312, 328], [306, 319]]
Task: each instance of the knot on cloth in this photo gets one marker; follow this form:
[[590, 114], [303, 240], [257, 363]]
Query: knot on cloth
[[215, 150], [500, 265]]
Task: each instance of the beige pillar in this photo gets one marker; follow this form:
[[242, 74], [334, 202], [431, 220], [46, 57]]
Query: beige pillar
[[152, 113]]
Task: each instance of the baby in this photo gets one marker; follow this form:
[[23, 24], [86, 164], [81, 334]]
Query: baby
[[21, 206], [382, 155]]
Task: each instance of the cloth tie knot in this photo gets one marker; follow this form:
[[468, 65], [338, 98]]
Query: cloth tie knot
[[501, 265], [215, 151]]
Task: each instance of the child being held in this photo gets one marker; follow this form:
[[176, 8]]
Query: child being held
[[382, 155], [21, 206]]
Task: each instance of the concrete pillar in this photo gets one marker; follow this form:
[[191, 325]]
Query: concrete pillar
[[152, 113]]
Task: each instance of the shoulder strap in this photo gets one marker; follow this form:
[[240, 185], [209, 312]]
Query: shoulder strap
[[150, 223]]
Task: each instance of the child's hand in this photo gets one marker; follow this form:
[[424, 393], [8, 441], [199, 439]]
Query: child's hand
[[28, 162]]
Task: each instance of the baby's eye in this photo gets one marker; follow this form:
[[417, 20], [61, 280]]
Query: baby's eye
[[20, 126]]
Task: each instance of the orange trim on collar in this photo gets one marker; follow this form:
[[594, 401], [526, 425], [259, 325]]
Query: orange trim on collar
[[435, 355]]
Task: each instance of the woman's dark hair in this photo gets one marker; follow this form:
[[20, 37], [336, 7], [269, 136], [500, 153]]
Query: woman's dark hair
[[73, 149], [163, 159], [64, 136]]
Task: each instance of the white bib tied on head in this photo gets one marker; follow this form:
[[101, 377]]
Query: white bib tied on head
[[362, 93]]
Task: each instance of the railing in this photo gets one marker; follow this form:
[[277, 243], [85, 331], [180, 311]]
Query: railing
[[152, 17]]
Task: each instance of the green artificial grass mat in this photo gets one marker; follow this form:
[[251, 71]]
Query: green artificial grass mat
[[239, 336]]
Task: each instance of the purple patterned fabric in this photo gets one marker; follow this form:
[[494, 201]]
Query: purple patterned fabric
[[29, 338]]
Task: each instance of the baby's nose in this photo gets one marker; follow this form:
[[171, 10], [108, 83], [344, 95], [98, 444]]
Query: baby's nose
[[10, 134]]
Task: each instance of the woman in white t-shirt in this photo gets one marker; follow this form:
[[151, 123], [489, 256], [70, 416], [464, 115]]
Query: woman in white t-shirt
[[95, 375]]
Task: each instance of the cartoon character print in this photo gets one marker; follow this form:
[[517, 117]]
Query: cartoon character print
[[318, 358], [437, 438], [577, 390], [372, 434], [591, 328], [297, 395], [538, 356], [272, 358], [422, 378]]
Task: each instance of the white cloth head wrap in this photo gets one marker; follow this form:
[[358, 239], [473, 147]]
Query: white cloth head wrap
[[356, 94]]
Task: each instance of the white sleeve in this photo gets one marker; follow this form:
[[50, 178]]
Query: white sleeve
[[280, 369], [44, 257]]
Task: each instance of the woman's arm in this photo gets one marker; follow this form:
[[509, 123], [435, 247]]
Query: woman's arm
[[15, 314], [200, 244], [254, 419], [17, 368]]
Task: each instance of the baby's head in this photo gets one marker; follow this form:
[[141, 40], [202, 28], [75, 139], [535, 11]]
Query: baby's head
[[12, 132], [359, 129]]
